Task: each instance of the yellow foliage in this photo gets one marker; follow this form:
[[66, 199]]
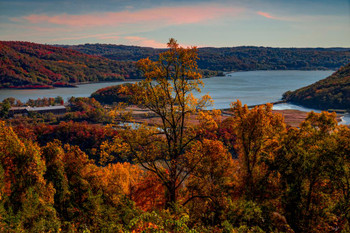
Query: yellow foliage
[[118, 180], [258, 134]]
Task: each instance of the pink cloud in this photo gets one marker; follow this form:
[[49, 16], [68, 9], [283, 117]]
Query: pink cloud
[[266, 15], [163, 15], [141, 41], [269, 16]]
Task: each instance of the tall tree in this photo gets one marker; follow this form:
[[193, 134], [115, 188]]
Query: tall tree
[[167, 93], [258, 132], [313, 168], [26, 202]]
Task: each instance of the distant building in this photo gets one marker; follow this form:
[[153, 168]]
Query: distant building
[[20, 111], [17, 111]]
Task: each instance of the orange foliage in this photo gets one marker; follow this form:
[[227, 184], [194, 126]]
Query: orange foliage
[[211, 180], [258, 134], [118, 180], [149, 193]]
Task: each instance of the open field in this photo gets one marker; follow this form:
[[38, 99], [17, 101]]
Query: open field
[[292, 117]]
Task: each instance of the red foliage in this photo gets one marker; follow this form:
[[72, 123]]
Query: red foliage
[[75, 133], [149, 193], [26, 65]]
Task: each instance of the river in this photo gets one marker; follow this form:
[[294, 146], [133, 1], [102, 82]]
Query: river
[[251, 87]]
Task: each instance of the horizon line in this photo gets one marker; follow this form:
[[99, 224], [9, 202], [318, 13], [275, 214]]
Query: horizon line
[[199, 47]]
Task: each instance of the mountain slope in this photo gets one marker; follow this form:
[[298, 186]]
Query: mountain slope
[[234, 58], [25, 65], [332, 92]]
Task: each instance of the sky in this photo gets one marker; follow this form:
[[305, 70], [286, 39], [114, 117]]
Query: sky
[[202, 23]]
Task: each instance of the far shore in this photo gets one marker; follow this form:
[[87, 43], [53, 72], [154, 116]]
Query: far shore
[[71, 85], [112, 81], [74, 85]]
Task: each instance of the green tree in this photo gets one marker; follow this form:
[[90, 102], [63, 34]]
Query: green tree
[[5, 108], [312, 165], [26, 197]]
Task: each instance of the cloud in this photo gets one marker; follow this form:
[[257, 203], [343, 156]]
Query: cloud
[[269, 16], [141, 41], [294, 18], [266, 15], [299, 18], [162, 15]]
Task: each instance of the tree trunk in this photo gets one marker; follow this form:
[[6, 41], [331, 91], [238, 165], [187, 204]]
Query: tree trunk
[[170, 196]]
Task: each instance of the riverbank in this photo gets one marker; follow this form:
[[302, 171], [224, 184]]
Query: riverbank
[[64, 85], [292, 117]]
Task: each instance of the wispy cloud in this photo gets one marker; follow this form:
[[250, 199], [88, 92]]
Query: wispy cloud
[[266, 15], [269, 16], [164, 15], [301, 19], [142, 41]]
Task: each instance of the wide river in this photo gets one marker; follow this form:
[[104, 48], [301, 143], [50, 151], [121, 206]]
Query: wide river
[[251, 87]]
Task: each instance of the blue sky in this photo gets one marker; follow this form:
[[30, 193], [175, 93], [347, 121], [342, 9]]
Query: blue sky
[[221, 23]]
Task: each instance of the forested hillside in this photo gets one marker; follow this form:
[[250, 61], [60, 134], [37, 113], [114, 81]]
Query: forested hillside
[[332, 92], [30, 65], [191, 171], [112, 94], [26, 65], [235, 58]]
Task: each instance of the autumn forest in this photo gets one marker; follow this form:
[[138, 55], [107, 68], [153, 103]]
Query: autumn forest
[[101, 167]]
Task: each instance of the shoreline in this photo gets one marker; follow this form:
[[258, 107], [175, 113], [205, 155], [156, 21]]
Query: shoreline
[[74, 85], [238, 71], [294, 117], [252, 106], [115, 81]]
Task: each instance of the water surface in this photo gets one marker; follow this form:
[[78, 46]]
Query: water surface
[[83, 90], [258, 87], [251, 88]]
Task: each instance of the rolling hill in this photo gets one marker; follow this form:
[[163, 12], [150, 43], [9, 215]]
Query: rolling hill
[[112, 94], [332, 92], [30, 65], [234, 58]]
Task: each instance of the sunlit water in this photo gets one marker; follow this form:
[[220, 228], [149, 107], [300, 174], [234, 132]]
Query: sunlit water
[[251, 88]]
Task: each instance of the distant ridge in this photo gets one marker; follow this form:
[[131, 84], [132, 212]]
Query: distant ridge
[[31, 65], [241, 58], [332, 92]]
